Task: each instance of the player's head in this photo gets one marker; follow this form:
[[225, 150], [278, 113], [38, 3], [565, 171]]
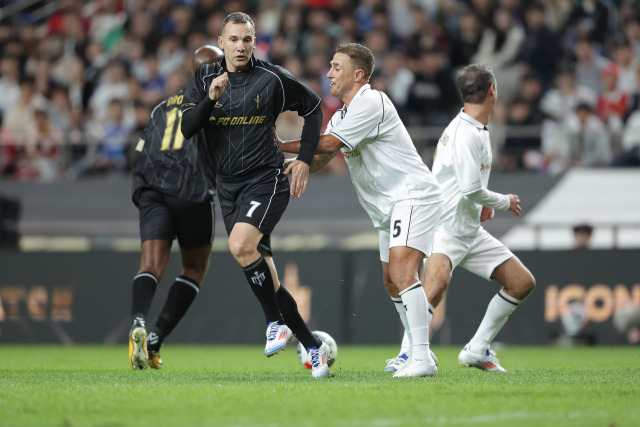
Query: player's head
[[351, 66], [476, 82], [206, 54], [237, 39]]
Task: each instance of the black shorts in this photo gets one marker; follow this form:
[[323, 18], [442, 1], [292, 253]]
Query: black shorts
[[259, 199], [166, 217]]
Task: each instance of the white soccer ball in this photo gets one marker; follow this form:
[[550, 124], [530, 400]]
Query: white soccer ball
[[303, 356]]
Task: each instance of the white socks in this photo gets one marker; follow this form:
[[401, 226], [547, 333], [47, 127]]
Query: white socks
[[415, 304], [498, 311], [405, 347]]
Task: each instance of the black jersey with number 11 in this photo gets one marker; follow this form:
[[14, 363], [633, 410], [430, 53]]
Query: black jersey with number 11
[[167, 162]]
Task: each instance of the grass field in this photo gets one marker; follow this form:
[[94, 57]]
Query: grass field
[[238, 386]]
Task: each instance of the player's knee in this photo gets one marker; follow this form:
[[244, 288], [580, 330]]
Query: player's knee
[[240, 248], [401, 278], [195, 274], [156, 269]]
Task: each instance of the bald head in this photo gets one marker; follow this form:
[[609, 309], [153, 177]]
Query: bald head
[[206, 54]]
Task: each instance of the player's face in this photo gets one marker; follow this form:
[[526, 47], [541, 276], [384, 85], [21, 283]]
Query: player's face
[[341, 75], [237, 41]]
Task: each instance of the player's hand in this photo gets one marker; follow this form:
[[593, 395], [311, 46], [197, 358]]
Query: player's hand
[[486, 214], [287, 162], [514, 204], [299, 171], [217, 86]]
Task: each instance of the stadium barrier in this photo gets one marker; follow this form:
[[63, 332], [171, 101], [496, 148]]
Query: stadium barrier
[[85, 298]]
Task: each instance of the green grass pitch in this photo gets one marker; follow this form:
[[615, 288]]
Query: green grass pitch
[[238, 386]]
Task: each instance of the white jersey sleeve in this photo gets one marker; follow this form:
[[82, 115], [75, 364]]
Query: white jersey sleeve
[[468, 170]]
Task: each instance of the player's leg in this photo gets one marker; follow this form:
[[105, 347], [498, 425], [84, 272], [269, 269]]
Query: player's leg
[[319, 352], [402, 262], [243, 244], [394, 364], [156, 233], [194, 225], [244, 206], [492, 260], [411, 236]]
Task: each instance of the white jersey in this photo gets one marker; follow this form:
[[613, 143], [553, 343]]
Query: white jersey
[[462, 165], [385, 167]]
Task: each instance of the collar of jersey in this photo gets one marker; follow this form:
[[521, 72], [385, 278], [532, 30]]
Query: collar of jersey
[[464, 116], [358, 93], [252, 63]]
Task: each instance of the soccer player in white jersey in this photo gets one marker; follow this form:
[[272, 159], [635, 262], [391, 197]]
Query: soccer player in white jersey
[[462, 165], [394, 186]]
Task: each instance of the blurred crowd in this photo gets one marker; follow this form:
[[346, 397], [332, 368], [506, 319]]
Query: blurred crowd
[[78, 81]]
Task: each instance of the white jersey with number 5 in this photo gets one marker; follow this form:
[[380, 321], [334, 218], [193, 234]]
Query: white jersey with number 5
[[462, 165], [385, 167]]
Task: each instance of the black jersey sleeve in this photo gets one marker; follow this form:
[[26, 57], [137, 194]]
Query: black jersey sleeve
[[197, 105], [298, 97]]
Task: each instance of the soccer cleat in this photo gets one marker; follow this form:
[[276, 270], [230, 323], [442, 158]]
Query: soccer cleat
[[319, 358], [486, 362], [154, 360], [138, 355], [417, 368], [397, 363], [277, 337]]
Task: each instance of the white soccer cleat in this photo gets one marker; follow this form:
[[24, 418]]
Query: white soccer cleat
[[138, 355], [319, 358], [277, 338], [397, 363], [486, 361], [417, 368]]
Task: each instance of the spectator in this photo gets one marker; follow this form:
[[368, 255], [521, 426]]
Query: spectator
[[465, 42], [612, 103], [19, 120], [591, 18], [589, 64], [627, 65], [556, 13], [113, 147], [541, 50], [564, 97], [9, 86], [112, 86], [632, 32], [433, 95], [41, 157], [589, 140], [499, 48], [582, 236], [521, 114]]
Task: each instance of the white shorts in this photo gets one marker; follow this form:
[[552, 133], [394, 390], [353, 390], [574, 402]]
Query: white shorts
[[410, 226], [479, 255]]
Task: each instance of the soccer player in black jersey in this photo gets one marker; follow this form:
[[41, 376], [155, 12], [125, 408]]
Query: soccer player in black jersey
[[173, 188], [237, 102]]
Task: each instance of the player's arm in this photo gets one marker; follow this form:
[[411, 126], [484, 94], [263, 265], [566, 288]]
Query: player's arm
[[198, 103], [327, 144], [466, 160], [298, 97]]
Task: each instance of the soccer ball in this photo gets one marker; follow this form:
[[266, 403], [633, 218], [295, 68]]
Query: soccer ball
[[303, 357]]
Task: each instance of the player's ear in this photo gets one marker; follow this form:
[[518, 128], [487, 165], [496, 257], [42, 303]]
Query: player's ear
[[220, 44], [359, 75]]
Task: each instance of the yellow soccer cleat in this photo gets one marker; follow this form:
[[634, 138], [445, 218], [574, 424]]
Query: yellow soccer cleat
[[154, 361], [138, 355]]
